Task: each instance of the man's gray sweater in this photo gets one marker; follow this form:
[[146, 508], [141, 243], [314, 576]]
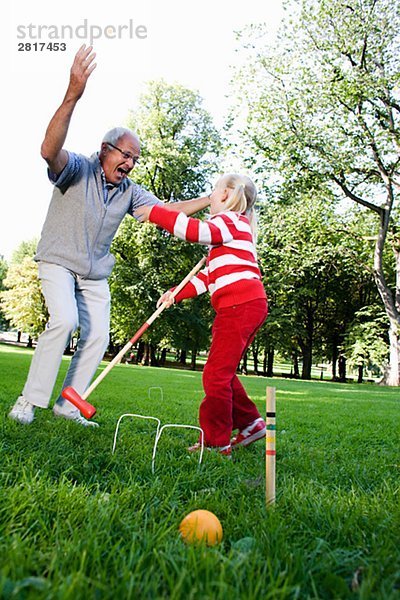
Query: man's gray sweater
[[80, 225]]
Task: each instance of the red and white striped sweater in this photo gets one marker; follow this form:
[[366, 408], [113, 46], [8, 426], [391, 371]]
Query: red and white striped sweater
[[231, 274]]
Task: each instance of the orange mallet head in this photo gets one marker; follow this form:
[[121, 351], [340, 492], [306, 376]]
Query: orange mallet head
[[87, 409]]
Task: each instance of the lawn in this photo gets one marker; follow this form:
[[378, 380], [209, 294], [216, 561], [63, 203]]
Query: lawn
[[80, 522]]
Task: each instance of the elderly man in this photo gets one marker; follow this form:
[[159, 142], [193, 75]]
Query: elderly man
[[90, 198]]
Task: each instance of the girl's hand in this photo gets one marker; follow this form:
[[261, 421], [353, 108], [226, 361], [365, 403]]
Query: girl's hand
[[166, 298], [142, 213]]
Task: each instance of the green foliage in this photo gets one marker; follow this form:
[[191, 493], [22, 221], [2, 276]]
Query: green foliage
[[3, 274], [321, 103], [322, 114], [179, 152], [26, 248], [179, 144], [149, 262], [3, 270], [313, 260], [366, 341], [22, 302], [78, 521]]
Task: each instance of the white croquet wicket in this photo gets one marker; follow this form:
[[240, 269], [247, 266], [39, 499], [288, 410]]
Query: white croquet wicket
[[159, 429]]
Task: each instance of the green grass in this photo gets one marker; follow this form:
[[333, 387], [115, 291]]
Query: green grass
[[77, 521]]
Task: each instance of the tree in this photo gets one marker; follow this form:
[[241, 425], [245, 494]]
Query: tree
[[148, 262], [179, 154], [353, 286], [26, 248], [3, 274], [365, 343], [179, 143], [323, 105], [316, 279], [22, 302]]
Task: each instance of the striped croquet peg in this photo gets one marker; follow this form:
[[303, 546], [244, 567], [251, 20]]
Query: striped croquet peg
[[270, 447]]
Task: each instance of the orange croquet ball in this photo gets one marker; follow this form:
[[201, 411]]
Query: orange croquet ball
[[201, 526]]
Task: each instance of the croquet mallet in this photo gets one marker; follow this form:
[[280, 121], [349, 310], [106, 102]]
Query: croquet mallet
[[87, 409]]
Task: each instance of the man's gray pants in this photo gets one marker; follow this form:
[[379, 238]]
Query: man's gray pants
[[72, 301]]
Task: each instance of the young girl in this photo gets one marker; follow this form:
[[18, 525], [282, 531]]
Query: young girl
[[233, 279]]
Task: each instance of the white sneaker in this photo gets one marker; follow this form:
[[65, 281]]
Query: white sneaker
[[74, 416], [22, 411]]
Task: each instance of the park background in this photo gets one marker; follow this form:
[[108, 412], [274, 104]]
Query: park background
[[76, 519], [211, 90]]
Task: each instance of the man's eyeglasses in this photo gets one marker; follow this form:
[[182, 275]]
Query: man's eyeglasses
[[126, 155]]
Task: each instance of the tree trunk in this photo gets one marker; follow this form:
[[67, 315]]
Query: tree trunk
[[255, 358], [30, 342], [163, 356], [335, 356], [270, 363], [360, 373], [342, 368], [193, 363], [391, 301], [243, 368], [182, 358], [146, 355], [153, 357], [140, 352], [392, 372], [296, 370], [307, 362], [111, 347], [306, 344]]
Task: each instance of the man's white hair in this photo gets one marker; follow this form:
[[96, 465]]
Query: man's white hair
[[116, 134]]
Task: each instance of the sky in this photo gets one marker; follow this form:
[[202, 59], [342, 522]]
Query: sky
[[192, 44]]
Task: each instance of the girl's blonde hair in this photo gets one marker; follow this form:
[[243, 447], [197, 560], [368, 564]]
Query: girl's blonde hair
[[243, 197]]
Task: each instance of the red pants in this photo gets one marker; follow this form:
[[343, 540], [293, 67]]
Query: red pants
[[226, 405]]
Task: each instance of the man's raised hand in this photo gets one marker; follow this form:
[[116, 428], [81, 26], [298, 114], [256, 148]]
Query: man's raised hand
[[81, 70]]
